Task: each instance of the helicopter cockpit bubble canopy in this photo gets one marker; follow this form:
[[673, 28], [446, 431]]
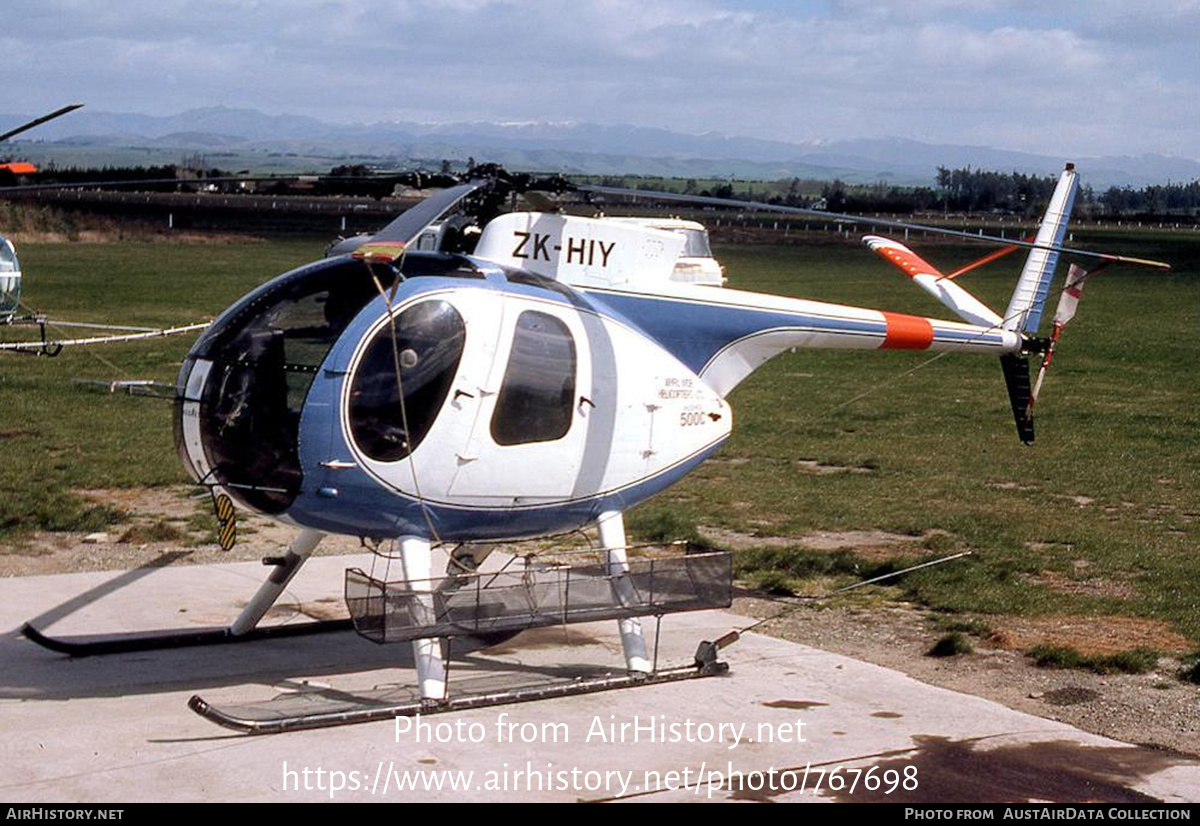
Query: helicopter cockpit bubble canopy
[[585, 252], [242, 387], [10, 280]]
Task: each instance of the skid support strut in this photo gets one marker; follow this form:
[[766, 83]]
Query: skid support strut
[[297, 554], [633, 643], [416, 556]]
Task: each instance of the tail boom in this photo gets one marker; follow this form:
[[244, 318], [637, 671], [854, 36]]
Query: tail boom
[[725, 337]]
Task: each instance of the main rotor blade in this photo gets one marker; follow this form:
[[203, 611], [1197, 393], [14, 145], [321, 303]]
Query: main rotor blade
[[706, 200], [301, 177], [412, 222], [39, 121], [134, 182]]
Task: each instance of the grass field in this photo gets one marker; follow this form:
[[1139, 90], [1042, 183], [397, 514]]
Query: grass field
[[1099, 518]]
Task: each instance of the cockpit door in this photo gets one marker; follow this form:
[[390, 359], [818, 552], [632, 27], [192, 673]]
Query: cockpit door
[[527, 439], [444, 350]]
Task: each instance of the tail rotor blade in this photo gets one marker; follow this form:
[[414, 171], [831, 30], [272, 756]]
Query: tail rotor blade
[[1068, 303]]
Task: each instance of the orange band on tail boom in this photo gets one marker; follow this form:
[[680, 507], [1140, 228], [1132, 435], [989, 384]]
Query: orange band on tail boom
[[906, 332]]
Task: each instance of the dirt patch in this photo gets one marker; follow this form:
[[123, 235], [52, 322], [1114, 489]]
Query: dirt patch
[[326, 608], [1049, 546], [174, 511], [865, 543], [794, 705], [825, 469], [736, 541], [868, 544], [1087, 635], [150, 503], [1064, 584], [1010, 486]]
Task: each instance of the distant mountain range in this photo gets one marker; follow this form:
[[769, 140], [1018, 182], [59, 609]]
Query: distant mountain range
[[579, 148]]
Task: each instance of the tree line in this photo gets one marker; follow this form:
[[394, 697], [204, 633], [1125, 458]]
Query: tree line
[[956, 190], [982, 190]]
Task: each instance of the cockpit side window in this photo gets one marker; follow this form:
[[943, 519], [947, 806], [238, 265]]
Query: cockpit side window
[[537, 396], [697, 244], [401, 382]]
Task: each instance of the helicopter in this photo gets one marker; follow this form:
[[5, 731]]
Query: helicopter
[[10, 269], [10, 278], [539, 374]]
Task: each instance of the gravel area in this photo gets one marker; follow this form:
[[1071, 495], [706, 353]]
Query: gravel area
[[1155, 709]]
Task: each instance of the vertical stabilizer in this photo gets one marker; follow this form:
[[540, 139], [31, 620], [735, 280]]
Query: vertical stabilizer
[[1025, 309]]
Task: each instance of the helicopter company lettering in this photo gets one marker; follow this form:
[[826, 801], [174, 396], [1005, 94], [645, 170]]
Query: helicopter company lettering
[[587, 251], [676, 388]]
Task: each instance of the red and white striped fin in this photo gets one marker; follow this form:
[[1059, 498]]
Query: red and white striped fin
[[928, 278], [1068, 301]]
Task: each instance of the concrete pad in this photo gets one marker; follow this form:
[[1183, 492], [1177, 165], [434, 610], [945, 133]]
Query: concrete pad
[[117, 729]]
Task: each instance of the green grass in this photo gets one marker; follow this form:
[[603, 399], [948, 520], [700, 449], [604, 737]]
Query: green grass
[[1118, 423], [57, 436], [802, 564], [951, 645], [1134, 661]]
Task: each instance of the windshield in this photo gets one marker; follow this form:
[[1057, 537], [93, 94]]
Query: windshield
[[10, 278], [265, 353], [8, 257]]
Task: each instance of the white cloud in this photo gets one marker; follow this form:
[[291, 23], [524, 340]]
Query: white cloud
[[1019, 73]]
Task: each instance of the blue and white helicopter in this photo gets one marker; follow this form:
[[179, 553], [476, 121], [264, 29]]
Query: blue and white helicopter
[[550, 378]]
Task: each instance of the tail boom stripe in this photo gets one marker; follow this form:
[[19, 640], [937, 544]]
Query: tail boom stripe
[[906, 332]]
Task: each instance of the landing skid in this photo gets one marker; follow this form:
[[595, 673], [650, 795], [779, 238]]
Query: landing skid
[[243, 629], [95, 645], [320, 711]]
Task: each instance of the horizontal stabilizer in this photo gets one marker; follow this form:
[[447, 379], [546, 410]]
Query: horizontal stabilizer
[[928, 278]]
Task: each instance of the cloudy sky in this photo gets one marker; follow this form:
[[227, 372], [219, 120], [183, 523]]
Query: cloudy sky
[[1061, 78]]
